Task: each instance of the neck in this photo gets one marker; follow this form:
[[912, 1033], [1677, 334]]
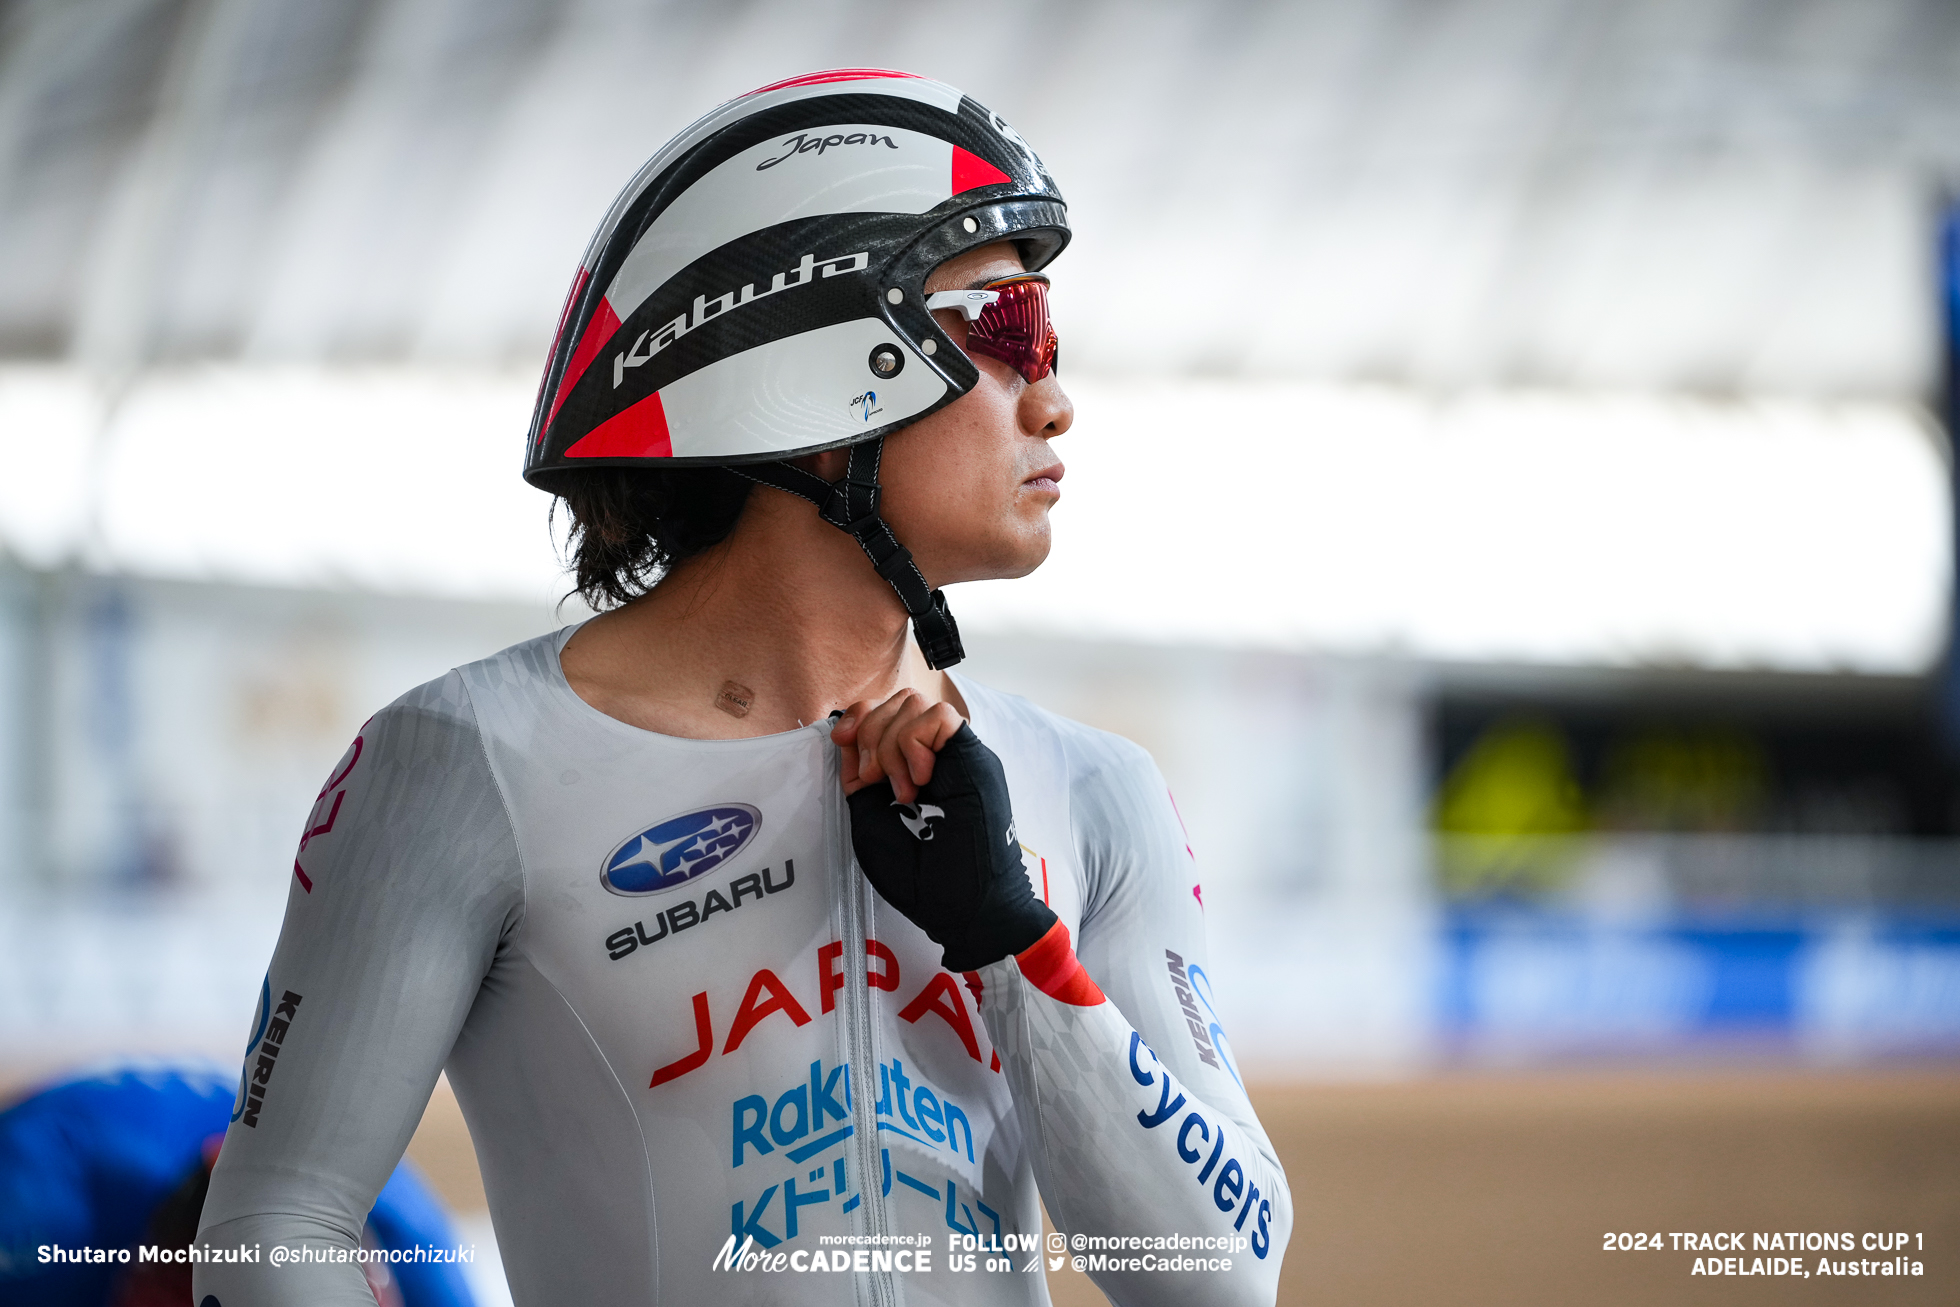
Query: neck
[[777, 626]]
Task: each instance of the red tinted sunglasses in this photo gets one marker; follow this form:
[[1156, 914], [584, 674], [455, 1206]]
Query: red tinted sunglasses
[[1007, 320]]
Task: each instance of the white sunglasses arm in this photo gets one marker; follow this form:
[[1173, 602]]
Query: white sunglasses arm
[[970, 303]]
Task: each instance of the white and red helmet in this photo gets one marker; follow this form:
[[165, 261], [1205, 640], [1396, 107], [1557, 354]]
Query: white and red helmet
[[757, 292], [728, 307]]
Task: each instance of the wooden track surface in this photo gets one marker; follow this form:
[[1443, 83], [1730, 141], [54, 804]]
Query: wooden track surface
[[1498, 1190]]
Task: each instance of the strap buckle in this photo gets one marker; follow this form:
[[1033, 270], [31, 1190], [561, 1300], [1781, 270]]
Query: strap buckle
[[938, 634]]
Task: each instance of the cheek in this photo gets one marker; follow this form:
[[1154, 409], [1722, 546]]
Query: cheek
[[960, 463], [952, 495]]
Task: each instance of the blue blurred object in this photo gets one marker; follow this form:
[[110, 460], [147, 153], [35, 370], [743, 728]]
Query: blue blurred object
[[85, 1162], [1548, 981], [1950, 300], [1950, 334], [408, 1215]]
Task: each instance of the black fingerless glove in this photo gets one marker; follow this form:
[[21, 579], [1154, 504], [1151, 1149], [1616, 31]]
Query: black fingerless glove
[[951, 862]]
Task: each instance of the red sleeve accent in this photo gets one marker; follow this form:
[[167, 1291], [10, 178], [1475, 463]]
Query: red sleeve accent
[[1051, 965]]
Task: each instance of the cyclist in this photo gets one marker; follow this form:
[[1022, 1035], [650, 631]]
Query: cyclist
[[743, 1000]]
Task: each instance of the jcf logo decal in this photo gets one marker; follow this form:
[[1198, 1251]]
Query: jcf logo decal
[[866, 405]]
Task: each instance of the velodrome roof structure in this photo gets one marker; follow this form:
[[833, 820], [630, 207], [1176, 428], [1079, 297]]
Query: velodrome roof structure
[[1726, 196], [1592, 217]]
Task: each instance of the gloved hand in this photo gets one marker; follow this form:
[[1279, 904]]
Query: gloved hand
[[951, 861]]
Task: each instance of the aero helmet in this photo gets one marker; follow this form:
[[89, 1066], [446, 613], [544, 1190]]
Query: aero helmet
[[757, 292]]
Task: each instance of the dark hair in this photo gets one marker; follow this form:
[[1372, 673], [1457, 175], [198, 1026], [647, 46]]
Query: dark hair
[[629, 526]]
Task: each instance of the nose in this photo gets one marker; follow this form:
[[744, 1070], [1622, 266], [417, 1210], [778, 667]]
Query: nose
[[1045, 408]]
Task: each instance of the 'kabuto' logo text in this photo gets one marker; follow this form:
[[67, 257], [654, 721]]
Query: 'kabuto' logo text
[[651, 342], [678, 849]]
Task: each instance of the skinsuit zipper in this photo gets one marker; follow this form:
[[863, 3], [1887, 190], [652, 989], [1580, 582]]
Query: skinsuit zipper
[[873, 1217]]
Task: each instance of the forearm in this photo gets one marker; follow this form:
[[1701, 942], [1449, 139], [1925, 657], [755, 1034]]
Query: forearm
[[1122, 1148], [294, 1261]]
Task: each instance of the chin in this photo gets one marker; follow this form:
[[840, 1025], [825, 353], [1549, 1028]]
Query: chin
[[997, 564], [1022, 561], [1010, 550]]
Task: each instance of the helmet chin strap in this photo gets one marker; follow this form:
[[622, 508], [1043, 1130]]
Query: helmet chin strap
[[850, 504]]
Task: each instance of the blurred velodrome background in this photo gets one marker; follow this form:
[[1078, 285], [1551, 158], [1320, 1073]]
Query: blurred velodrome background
[[1510, 494]]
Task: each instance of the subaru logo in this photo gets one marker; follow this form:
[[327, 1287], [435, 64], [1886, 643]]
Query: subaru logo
[[679, 849]]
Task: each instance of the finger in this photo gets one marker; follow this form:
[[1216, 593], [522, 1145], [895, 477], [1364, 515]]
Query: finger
[[923, 738], [872, 728], [843, 734], [906, 732], [844, 731], [847, 771], [910, 745]]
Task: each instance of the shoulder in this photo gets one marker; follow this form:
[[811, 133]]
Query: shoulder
[[430, 723], [445, 699], [433, 739], [457, 703], [529, 668], [1094, 758], [413, 797]]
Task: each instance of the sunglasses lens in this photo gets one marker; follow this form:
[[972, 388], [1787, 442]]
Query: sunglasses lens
[[1015, 328]]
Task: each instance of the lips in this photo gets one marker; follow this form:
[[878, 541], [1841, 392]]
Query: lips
[[1046, 479]]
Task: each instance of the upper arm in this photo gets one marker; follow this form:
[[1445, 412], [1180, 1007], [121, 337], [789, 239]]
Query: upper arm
[[411, 880], [1143, 928]]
